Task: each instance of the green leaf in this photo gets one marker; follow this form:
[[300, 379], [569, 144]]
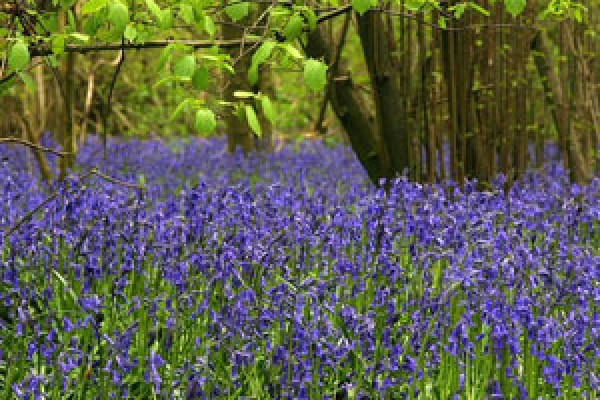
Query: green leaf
[[93, 6], [442, 22], [293, 28], [514, 7], [458, 10], [361, 6], [292, 51], [253, 74], [165, 56], [209, 26], [185, 66], [18, 57], [205, 122], [166, 19], [200, 78], [253, 120], [92, 23], [311, 18], [154, 9], [241, 94], [479, 9], [79, 37], [130, 33], [414, 5], [118, 15], [264, 52], [186, 12], [237, 11], [315, 74], [267, 108], [180, 107]]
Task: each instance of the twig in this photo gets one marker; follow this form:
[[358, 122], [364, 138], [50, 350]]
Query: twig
[[44, 50], [116, 181], [110, 92], [34, 146]]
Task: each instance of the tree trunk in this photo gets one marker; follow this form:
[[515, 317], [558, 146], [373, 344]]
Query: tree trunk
[[390, 113], [350, 108]]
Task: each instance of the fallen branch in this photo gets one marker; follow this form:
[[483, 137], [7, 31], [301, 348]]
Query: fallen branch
[[34, 146], [116, 181]]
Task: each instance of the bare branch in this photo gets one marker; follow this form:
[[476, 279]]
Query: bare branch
[[34, 146], [116, 181], [44, 50]]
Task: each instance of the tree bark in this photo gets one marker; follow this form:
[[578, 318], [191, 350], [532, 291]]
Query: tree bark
[[350, 108]]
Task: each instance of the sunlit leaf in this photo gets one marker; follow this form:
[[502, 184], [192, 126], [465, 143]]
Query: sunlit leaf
[[361, 6], [253, 120], [185, 66], [264, 52], [253, 74], [180, 108], [209, 25], [267, 108], [130, 33], [118, 15], [315, 74], [292, 51], [241, 94], [18, 56], [92, 6], [237, 11], [293, 28], [186, 12], [205, 121], [514, 7]]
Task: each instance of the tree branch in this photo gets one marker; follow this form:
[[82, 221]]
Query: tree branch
[[44, 50], [34, 146]]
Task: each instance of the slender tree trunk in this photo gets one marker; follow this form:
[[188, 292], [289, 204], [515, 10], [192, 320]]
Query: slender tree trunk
[[390, 115], [67, 131], [555, 99]]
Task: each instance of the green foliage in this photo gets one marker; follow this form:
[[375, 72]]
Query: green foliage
[[294, 27], [118, 15], [185, 67], [261, 56], [361, 6], [515, 7], [182, 71], [253, 120], [201, 78], [264, 52], [267, 108], [238, 11], [205, 122], [18, 57], [93, 6], [315, 74]]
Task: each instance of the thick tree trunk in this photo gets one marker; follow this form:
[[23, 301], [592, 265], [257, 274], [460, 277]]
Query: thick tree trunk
[[350, 108], [390, 112]]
